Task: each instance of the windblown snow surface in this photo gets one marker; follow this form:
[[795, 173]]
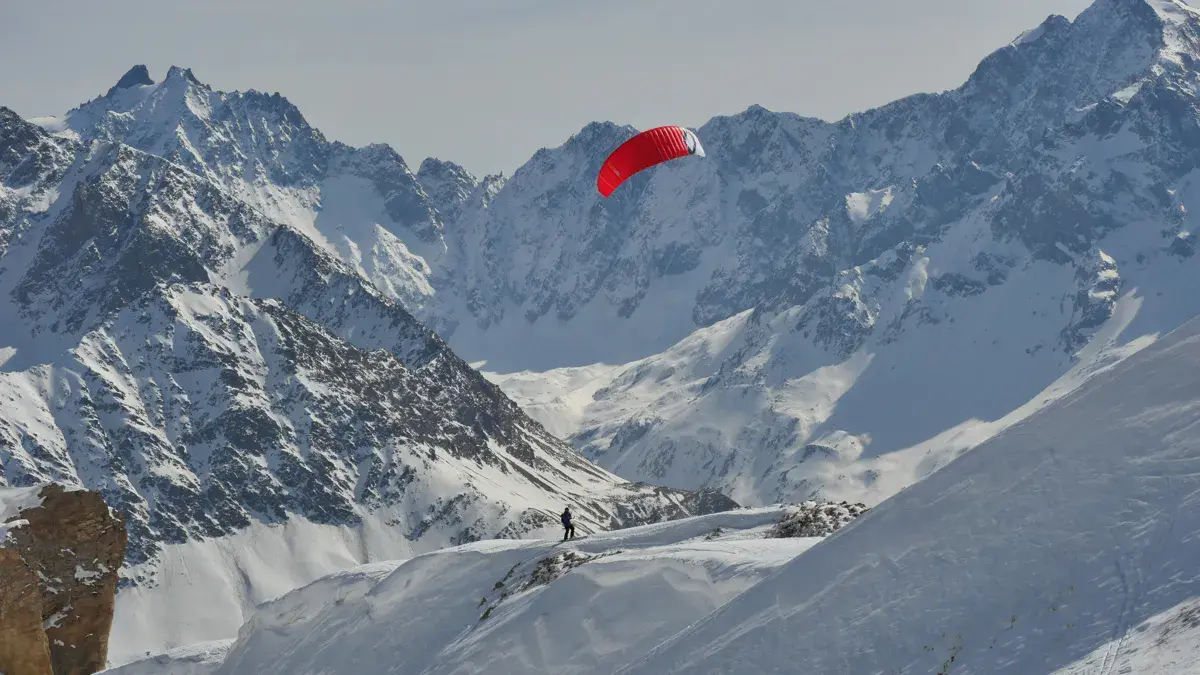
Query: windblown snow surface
[[220, 581], [198, 659], [516, 607], [1067, 544]]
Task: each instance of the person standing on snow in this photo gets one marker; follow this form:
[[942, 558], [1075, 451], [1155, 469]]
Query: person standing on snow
[[568, 528]]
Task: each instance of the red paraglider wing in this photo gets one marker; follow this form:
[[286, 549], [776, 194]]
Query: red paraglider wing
[[653, 146]]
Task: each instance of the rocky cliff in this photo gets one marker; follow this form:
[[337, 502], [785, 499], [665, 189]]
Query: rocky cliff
[[60, 553]]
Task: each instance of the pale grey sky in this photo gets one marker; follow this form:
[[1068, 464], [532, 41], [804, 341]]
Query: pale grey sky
[[486, 83]]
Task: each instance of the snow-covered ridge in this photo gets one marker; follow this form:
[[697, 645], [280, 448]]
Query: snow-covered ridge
[[588, 606], [197, 659]]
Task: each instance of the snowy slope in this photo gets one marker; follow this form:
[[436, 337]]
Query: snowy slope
[[1066, 544], [853, 304], [751, 407], [12, 502], [198, 659], [586, 606]]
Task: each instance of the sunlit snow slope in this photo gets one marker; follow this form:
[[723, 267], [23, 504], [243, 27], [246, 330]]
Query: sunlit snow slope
[[198, 659], [516, 607]]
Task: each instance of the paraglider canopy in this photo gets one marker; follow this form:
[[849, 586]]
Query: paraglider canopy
[[651, 147]]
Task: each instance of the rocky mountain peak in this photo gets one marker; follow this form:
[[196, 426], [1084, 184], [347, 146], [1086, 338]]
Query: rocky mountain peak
[[1108, 46], [598, 139], [433, 168], [138, 75], [448, 185], [182, 73]]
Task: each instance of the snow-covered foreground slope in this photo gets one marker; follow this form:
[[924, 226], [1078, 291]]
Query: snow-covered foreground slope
[[1066, 544], [520, 607], [220, 581], [197, 659]]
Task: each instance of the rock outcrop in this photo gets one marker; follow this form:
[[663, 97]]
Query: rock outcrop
[[817, 519], [60, 552], [23, 645]]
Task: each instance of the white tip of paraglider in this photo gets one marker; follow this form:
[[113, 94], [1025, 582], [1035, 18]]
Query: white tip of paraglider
[[693, 142]]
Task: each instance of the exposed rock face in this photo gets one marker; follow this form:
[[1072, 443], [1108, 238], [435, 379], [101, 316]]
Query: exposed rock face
[[137, 75], [58, 580], [24, 649]]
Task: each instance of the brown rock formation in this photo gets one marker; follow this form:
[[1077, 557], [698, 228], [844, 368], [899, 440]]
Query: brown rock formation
[[23, 646], [73, 545]]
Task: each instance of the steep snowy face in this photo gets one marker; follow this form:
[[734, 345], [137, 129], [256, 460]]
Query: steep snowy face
[[1065, 546], [31, 166], [880, 294], [191, 326]]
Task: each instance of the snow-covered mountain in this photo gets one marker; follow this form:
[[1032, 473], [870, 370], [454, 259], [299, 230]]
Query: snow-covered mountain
[[813, 309], [1062, 546], [836, 309], [248, 336], [202, 317]]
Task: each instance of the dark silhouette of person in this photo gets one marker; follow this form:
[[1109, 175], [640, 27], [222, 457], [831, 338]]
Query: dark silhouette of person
[[568, 528]]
